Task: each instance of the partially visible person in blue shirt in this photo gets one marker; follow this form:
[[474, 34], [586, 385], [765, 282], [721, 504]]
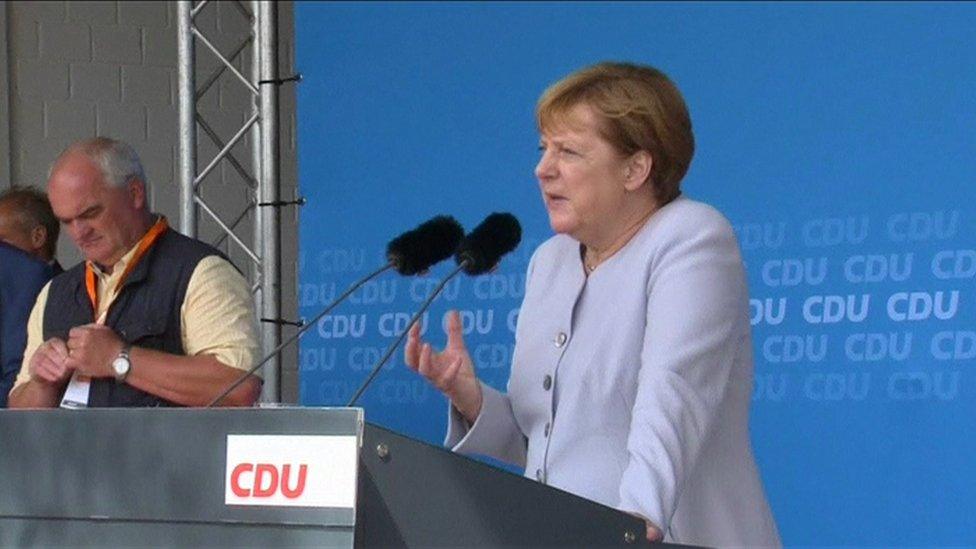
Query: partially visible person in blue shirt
[[28, 222], [21, 278]]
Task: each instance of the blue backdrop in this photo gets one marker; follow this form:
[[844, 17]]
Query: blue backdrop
[[838, 139]]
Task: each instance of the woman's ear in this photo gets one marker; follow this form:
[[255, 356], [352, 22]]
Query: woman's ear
[[638, 170]]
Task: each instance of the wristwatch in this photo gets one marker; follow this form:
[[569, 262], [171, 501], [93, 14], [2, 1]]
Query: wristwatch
[[121, 364]]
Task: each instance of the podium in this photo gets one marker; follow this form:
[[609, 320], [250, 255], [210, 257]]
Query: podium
[[203, 478]]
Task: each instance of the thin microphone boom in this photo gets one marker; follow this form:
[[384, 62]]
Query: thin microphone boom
[[410, 253], [301, 331], [389, 350]]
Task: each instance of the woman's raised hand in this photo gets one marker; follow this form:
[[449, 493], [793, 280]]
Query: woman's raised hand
[[450, 370]]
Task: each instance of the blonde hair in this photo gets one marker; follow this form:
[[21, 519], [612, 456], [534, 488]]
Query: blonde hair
[[640, 110]]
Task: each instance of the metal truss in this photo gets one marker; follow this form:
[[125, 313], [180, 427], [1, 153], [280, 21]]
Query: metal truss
[[260, 174]]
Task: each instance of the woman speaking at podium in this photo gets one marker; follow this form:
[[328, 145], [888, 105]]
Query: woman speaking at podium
[[632, 373]]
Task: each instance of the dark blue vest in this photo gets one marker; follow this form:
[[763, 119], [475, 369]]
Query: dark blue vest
[[146, 312]]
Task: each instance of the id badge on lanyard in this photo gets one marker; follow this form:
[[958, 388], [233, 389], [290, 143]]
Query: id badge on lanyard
[[77, 393]]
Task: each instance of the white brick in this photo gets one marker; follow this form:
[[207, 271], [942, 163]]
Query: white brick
[[159, 46], [206, 230], [146, 85], [103, 13], [117, 44], [96, 82], [23, 40], [165, 200], [211, 99], [206, 149], [233, 95], [61, 42], [158, 164], [36, 11], [125, 122], [171, 185], [231, 21], [40, 80], [35, 160], [225, 124], [206, 19], [205, 62], [207, 103], [228, 203], [145, 14], [232, 178], [26, 122], [230, 197], [72, 120], [163, 123], [225, 44]]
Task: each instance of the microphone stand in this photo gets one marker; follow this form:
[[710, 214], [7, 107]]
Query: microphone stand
[[393, 347], [301, 331]]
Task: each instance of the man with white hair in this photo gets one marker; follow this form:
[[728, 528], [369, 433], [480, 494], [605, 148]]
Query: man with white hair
[[150, 318]]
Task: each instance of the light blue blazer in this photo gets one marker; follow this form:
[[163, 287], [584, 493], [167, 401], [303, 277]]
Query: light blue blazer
[[632, 387]]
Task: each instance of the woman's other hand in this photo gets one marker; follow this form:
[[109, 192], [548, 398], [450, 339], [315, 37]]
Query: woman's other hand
[[450, 370]]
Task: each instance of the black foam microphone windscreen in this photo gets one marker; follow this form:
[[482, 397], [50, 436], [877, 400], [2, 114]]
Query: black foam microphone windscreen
[[432, 242], [481, 250]]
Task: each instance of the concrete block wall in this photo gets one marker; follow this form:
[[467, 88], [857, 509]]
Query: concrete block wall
[[4, 103], [73, 69]]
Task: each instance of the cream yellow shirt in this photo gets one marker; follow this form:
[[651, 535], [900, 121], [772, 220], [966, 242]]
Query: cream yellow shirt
[[217, 313]]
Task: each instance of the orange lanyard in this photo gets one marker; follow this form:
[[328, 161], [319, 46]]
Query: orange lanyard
[[147, 241]]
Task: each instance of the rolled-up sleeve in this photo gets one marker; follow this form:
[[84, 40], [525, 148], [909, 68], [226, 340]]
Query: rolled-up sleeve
[[218, 315]]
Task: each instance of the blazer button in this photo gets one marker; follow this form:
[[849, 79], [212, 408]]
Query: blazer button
[[547, 382], [560, 340]]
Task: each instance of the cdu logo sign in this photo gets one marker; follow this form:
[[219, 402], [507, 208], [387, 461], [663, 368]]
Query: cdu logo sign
[[266, 480], [291, 471]]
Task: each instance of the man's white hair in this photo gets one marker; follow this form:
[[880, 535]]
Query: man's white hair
[[117, 160]]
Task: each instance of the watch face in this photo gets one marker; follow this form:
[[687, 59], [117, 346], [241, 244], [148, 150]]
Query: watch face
[[121, 366]]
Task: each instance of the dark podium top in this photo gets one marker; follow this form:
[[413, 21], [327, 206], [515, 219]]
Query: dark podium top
[[158, 477]]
